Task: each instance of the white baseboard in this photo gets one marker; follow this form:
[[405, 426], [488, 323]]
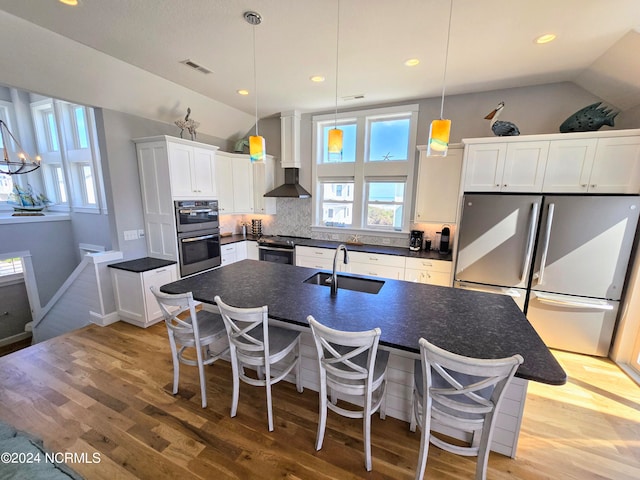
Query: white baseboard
[[104, 320], [14, 338]]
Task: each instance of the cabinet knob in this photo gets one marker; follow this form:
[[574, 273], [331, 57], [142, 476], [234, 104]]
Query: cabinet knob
[[584, 185], [497, 184], [593, 185], [505, 185]]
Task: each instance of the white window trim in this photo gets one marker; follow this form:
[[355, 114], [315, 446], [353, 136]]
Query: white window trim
[[360, 170]]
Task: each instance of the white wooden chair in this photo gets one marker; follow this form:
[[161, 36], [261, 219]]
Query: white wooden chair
[[198, 330], [256, 344], [462, 393], [351, 364]]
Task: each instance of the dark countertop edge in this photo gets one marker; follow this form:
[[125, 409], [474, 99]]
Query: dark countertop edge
[[144, 264], [331, 244]]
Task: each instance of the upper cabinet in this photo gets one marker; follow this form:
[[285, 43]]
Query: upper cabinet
[[192, 171], [506, 167], [585, 162], [241, 184], [437, 186]]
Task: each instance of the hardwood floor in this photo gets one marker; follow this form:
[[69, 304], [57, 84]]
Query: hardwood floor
[[108, 390]]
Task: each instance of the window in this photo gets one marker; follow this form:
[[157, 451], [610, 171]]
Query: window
[[65, 134], [367, 186], [6, 181]]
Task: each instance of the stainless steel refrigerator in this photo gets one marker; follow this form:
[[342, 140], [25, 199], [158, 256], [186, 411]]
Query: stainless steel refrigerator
[[563, 258]]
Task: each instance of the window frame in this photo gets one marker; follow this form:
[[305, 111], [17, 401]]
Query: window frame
[[362, 170]]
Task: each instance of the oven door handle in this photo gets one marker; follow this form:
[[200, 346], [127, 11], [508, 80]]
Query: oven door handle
[[274, 249], [202, 210], [195, 239]]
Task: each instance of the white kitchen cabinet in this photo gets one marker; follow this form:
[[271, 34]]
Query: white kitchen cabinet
[[134, 301], [192, 171], [233, 252], [506, 167], [376, 265], [321, 258], [252, 250], [616, 166], [424, 270], [264, 180], [438, 186], [241, 184], [569, 165]]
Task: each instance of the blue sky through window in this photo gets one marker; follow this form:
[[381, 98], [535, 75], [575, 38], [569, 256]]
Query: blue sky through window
[[389, 140]]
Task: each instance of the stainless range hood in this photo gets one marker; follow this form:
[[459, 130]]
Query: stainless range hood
[[291, 188], [290, 158]]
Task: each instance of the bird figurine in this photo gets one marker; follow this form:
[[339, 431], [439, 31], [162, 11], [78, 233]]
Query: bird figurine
[[501, 128]]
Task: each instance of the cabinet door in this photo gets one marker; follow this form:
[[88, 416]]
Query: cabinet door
[[264, 175], [224, 183], [204, 173], [428, 277], [485, 167], [242, 184], [569, 165], [524, 166], [438, 187], [252, 250], [180, 170], [616, 167], [155, 278], [228, 254]]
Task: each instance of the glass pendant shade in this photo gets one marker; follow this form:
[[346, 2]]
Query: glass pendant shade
[[335, 140], [256, 148], [439, 138]]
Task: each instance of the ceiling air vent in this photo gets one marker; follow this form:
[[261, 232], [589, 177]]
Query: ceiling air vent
[[190, 63]]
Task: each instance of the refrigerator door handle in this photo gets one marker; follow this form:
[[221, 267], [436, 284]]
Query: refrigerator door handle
[[512, 292], [547, 236], [563, 302], [532, 231]]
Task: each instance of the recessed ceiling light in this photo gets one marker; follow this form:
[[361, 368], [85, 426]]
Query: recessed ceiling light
[[317, 78], [412, 62], [243, 92], [546, 38], [72, 3]]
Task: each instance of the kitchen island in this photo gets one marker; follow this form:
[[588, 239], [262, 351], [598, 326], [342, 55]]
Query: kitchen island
[[466, 322]]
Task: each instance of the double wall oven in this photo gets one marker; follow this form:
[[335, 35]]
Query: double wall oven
[[198, 230]]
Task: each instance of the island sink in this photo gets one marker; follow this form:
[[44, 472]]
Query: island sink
[[365, 285]]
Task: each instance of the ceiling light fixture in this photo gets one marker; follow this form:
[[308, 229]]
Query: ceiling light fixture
[[15, 160], [256, 142], [546, 38], [317, 78], [440, 129], [412, 62], [242, 92], [335, 134], [71, 3]]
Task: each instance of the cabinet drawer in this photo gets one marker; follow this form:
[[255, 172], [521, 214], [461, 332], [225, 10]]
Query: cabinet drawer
[[376, 270], [427, 264], [377, 259], [319, 263], [428, 276], [314, 252]]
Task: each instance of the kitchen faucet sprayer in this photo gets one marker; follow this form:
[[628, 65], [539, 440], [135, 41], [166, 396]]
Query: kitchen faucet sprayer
[[334, 275]]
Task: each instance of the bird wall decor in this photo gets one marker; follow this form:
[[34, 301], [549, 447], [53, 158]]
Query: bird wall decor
[[189, 124], [501, 128]]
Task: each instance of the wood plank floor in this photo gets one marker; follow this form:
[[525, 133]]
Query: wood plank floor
[[108, 390]]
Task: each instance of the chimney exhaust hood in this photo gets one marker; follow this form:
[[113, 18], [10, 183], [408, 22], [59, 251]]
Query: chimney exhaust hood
[[290, 157]]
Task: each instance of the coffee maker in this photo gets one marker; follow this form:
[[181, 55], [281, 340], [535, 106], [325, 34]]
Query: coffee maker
[[415, 240], [444, 239]]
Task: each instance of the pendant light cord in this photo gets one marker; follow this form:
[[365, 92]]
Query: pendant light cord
[[335, 119], [446, 60], [255, 76]]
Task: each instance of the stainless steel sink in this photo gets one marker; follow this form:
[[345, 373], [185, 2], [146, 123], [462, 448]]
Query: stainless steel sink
[[357, 284]]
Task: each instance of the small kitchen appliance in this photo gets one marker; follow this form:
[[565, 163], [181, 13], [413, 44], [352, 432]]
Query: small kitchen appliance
[[415, 240], [444, 240]]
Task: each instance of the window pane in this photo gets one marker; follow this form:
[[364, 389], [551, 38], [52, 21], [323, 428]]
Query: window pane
[[6, 187], [10, 266], [389, 216], [389, 140], [348, 144], [81, 127], [59, 178], [87, 174], [337, 204], [386, 191], [52, 132], [338, 191], [384, 204]]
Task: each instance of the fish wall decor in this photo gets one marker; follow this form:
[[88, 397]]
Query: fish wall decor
[[589, 119]]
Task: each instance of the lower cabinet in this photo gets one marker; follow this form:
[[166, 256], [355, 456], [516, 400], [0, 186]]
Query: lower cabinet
[[134, 301], [423, 270], [321, 258], [252, 250], [233, 252], [376, 265]]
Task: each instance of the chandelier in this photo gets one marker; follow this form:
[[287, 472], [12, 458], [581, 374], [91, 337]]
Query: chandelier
[[18, 162]]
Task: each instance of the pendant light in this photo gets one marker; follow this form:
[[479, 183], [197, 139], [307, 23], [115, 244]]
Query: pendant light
[[440, 129], [14, 163], [256, 142], [335, 134]]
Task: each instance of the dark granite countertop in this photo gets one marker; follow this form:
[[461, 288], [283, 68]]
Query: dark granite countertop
[[384, 249], [470, 323], [142, 264]]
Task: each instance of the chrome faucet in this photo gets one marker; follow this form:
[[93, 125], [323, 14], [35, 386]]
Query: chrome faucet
[[334, 275]]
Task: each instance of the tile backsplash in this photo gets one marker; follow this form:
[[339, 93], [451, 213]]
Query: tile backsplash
[[294, 219]]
